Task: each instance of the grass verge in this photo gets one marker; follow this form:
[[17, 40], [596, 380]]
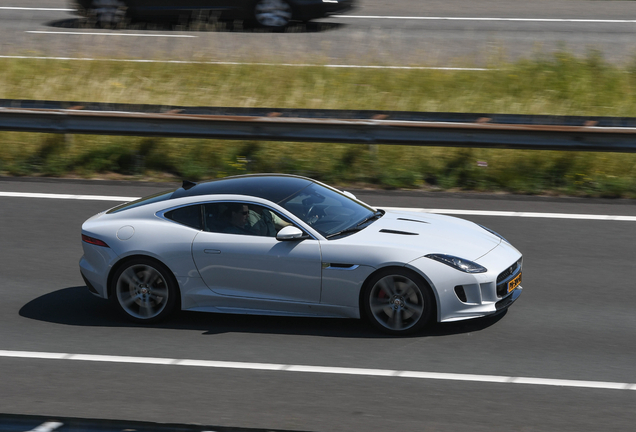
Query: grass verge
[[560, 84]]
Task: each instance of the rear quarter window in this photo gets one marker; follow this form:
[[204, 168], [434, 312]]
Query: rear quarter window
[[189, 216]]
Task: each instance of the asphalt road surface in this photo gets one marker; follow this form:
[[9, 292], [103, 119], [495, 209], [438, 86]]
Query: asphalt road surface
[[575, 321], [379, 32]]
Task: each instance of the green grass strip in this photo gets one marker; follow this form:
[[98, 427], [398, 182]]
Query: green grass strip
[[561, 84]]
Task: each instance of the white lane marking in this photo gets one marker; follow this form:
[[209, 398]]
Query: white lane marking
[[322, 369], [518, 214], [36, 9], [421, 210], [110, 34], [228, 63], [549, 20], [47, 427]]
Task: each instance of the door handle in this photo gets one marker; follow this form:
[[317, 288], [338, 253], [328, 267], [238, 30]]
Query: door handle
[[212, 251]]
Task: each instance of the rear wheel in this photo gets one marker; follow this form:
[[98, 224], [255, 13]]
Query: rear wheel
[[108, 13], [272, 13], [398, 301], [145, 290]]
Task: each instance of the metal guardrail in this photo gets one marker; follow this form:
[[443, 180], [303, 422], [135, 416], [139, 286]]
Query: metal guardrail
[[609, 134]]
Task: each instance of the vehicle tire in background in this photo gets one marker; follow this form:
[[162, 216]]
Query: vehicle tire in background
[[398, 301], [274, 14], [107, 13], [145, 290]]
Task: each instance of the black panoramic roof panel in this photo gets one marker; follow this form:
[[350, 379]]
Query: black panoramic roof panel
[[274, 188]]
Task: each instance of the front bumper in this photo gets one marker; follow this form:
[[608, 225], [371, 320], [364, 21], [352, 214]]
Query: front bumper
[[506, 302], [470, 311], [462, 296]]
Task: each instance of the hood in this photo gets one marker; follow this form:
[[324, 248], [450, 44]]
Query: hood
[[424, 233]]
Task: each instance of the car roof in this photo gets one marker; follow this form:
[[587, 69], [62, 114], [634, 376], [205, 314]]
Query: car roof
[[272, 187]]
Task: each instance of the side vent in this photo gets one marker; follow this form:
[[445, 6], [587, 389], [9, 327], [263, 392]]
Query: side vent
[[339, 266], [388, 231]]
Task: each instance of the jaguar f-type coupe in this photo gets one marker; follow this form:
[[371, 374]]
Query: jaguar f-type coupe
[[274, 244]]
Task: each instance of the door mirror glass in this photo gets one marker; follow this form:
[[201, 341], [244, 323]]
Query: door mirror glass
[[289, 233]]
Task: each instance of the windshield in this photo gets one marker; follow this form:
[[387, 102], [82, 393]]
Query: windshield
[[326, 210]]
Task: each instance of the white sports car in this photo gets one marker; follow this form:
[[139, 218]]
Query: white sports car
[[288, 245]]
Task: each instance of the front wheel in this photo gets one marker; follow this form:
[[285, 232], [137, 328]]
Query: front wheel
[[398, 302], [145, 290], [272, 13]]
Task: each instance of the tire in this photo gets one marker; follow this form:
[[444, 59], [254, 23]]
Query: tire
[[398, 301], [144, 290], [274, 14], [108, 13]]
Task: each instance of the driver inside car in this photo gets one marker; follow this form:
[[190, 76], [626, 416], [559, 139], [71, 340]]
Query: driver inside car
[[264, 222], [236, 218], [252, 220]]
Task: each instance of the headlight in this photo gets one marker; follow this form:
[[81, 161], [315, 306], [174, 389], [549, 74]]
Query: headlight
[[460, 264], [494, 233]]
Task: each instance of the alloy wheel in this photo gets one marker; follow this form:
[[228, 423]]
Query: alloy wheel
[[142, 292], [273, 13], [398, 304]]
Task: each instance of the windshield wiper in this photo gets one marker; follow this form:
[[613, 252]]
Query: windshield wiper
[[344, 231], [378, 214]]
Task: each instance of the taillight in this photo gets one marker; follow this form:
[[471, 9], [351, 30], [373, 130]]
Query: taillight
[[93, 241]]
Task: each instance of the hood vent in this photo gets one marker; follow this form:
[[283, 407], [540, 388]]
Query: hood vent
[[388, 231], [413, 220]]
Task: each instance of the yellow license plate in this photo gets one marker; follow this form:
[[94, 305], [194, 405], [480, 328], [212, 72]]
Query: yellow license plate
[[514, 283]]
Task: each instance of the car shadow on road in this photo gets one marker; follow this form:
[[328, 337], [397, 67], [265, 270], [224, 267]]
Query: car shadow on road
[[77, 307], [211, 27]]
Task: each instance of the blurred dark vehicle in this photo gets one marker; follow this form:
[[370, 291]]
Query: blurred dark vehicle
[[265, 13]]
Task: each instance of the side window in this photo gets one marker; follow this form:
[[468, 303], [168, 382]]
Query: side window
[[215, 217], [243, 218], [264, 221], [189, 216]]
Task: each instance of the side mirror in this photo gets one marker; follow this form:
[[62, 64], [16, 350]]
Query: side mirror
[[349, 194], [290, 233]]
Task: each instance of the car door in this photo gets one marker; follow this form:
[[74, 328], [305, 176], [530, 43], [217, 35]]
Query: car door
[[154, 9], [167, 9], [248, 261]]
